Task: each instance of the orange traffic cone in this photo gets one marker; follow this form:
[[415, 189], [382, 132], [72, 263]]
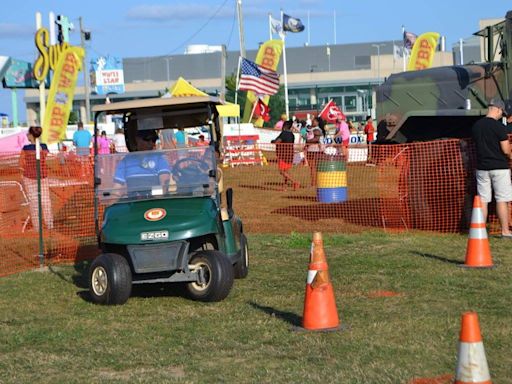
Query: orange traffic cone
[[478, 252], [320, 313], [471, 362]]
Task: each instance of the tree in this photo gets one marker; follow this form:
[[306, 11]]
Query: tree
[[73, 118], [277, 106], [231, 90]]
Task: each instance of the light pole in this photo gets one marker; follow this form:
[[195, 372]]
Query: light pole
[[167, 59], [329, 57], [378, 59]]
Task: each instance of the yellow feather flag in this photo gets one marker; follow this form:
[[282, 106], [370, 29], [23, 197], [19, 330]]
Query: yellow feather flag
[[423, 51], [60, 98], [268, 56]]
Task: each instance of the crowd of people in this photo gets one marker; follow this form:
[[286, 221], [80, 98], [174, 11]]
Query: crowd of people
[[313, 134]]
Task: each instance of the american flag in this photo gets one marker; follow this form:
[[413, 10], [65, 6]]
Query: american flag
[[258, 79]]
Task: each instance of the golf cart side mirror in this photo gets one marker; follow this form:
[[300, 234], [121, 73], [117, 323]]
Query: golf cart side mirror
[[229, 201]]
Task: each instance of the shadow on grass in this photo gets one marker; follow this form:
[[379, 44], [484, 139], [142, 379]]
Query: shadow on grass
[[436, 257], [288, 317]]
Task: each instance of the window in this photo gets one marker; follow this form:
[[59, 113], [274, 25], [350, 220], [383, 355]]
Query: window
[[350, 103], [362, 62]]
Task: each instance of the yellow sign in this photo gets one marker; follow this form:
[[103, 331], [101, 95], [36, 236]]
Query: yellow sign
[[268, 56], [60, 98], [48, 54], [229, 110], [423, 51]]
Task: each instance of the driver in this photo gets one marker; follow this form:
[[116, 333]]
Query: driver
[[140, 172]]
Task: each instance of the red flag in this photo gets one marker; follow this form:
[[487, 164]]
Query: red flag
[[262, 110], [331, 112]]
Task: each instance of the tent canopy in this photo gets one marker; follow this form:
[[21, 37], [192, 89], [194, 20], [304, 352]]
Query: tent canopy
[[182, 88]]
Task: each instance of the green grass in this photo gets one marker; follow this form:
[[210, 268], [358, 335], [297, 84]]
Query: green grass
[[51, 334]]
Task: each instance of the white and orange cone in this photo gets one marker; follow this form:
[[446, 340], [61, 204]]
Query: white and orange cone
[[472, 365], [320, 313], [478, 252]]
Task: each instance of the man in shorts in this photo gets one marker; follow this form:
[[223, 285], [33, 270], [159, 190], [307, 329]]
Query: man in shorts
[[493, 170]]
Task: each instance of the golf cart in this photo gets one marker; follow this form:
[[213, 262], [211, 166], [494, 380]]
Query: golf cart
[[158, 212]]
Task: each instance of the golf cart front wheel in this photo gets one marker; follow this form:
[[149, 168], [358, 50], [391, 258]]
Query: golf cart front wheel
[[110, 279], [215, 276]]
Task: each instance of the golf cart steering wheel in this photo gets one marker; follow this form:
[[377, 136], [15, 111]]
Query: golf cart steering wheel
[[194, 170]]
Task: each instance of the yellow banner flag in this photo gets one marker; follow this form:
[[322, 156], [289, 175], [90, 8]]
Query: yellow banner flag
[[423, 51], [268, 56], [60, 98]]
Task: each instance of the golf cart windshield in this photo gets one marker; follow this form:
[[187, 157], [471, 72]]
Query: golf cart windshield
[[142, 175]]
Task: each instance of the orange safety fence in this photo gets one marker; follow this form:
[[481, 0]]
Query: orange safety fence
[[420, 186]]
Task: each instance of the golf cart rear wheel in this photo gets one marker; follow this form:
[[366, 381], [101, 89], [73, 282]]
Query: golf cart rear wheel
[[215, 276], [241, 268], [110, 279]]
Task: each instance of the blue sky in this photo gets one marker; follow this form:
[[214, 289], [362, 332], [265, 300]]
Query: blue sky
[[131, 28]]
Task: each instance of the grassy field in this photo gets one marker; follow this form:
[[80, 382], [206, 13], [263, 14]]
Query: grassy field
[[51, 333]]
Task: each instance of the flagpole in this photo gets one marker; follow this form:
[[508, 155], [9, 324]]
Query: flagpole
[[335, 26], [270, 26], [309, 28], [237, 79], [287, 107], [403, 48], [254, 108], [240, 27]]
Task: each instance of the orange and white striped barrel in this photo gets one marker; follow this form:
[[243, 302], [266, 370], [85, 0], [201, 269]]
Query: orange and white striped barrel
[[471, 362]]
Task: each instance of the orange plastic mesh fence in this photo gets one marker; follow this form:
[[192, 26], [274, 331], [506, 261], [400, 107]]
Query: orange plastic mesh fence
[[67, 202], [425, 186]]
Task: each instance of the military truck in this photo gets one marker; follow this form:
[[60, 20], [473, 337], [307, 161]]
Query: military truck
[[444, 102], [435, 180]]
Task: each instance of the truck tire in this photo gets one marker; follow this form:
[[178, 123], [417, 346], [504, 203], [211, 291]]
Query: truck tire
[[241, 268], [218, 276], [110, 279]]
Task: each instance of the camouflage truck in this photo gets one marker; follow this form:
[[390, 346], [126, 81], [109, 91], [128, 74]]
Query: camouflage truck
[[444, 102], [436, 178]]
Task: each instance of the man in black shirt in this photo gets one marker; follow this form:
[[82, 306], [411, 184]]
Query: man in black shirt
[[493, 170], [508, 114], [284, 153]]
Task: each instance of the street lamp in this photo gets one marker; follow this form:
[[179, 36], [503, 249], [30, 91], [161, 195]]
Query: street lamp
[[378, 59], [167, 59]]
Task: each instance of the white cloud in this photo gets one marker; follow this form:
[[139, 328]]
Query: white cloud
[[174, 12], [15, 31]]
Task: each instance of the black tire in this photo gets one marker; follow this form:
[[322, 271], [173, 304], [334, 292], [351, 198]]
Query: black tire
[[241, 268], [110, 279], [218, 274]]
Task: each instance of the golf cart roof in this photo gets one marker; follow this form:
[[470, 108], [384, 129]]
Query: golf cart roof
[[126, 106]]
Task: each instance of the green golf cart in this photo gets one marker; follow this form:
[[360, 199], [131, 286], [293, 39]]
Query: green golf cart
[[158, 211]]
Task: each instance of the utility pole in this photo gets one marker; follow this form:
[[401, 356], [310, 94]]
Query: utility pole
[[86, 77], [240, 27]]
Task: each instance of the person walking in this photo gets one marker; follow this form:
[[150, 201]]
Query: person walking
[[284, 153], [492, 163], [28, 166]]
